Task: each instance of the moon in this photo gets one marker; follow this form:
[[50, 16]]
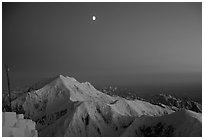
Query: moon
[[94, 18]]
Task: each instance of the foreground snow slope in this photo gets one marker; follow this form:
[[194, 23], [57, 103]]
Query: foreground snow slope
[[65, 107], [180, 123]]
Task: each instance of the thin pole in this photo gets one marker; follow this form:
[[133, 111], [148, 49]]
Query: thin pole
[[9, 91]]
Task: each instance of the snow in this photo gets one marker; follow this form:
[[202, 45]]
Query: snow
[[88, 119], [66, 107], [15, 125], [183, 123], [104, 119]]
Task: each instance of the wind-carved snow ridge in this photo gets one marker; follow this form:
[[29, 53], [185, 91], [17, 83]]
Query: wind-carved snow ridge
[[66, 107]]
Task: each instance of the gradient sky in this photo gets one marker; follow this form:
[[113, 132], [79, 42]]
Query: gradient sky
[[128, 43]]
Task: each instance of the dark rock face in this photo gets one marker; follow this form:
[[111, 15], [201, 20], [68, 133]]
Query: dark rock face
[[158, 130]]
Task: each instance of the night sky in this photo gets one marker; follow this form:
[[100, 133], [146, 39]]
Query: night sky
[[127, 44]]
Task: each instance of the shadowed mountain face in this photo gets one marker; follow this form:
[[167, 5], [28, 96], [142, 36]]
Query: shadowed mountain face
[[65, 107]]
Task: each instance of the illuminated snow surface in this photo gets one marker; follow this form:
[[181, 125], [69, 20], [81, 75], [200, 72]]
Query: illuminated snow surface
[[14, 125], [66, 107]]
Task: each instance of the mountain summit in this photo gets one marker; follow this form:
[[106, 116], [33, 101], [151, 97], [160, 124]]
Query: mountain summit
[[66, 107]]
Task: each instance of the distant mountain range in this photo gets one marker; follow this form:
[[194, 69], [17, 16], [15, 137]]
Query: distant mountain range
[[63, 106], [161, 99], [176, 103]]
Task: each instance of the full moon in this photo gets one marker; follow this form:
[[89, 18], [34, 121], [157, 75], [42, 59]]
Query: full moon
[[94, 18]]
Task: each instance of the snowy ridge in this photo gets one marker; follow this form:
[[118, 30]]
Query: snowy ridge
[[66, 107], [60, 95], [95, 118], [180, 123]]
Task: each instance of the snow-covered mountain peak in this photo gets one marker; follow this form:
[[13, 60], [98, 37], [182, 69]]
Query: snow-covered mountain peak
[[66, 107]]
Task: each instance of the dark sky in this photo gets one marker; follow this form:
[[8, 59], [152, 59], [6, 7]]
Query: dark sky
[[128, 43]]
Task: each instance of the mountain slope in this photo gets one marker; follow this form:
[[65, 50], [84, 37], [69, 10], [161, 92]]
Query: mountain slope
[[65, 107], [180, 123], [46, 104], [95, 118]]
